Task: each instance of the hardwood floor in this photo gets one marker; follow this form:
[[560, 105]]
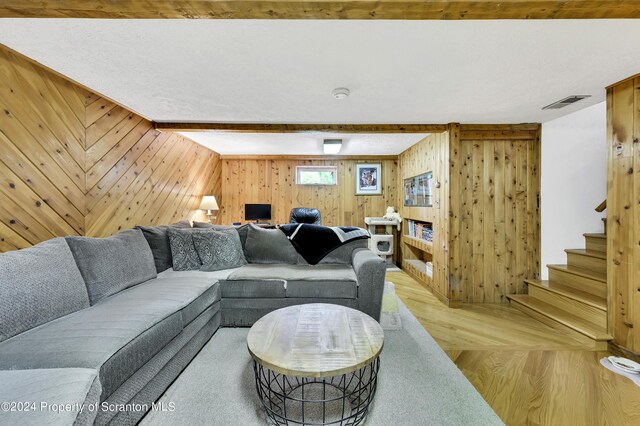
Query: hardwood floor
[[528, 372]]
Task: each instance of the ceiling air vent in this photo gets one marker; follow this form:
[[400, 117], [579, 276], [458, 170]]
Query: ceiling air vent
[[566, 101]]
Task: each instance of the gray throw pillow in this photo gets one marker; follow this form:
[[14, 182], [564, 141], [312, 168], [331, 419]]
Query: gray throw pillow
[[243, 232], [184, 254], [158, 240], [38, 285], [109, 265], [210, 226], [219, 249], [269, 246]]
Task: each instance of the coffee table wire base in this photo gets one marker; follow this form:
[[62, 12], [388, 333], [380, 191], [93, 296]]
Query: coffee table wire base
[[339, 400]]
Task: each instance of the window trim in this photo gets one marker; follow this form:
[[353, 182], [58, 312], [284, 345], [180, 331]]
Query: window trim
[[333, 169]]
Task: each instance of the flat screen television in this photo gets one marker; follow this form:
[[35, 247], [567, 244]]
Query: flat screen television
[[257, 212]]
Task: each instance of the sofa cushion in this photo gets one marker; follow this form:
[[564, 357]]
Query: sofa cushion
[[245, 312], [109, 265], [183, 251], [295, 273], [254, 289], [335, 281], [322, 289], [116, 336], [269, 246], [78, 387], [219, 249], [213, 276], [37, 285], [158, 240]]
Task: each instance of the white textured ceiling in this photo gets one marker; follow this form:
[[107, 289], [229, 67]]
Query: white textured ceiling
[[304, 143], [279, 71]]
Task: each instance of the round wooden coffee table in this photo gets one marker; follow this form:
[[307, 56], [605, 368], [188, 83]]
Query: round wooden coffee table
[[316, 364]]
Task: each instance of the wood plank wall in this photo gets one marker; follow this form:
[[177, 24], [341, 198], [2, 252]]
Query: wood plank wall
[[429, 155], [73, 163], [272, 180], [486, 215], [495, 215], [623, 213]]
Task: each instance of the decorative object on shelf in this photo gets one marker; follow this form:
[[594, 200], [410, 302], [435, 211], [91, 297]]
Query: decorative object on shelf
[[418, 190], [209, 204], [369, 179], [392, 214], [383, 244]]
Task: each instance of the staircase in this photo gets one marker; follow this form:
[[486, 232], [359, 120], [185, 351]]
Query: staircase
[[575, 296]]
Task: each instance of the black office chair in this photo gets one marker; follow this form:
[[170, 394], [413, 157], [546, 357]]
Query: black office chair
[[305, 215]]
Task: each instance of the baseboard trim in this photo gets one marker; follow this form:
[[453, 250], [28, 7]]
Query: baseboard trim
[[616, 349], [441, 297]]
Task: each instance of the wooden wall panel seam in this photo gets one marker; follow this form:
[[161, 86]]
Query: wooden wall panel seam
[[124, 173], [75, 163], [46, 113]]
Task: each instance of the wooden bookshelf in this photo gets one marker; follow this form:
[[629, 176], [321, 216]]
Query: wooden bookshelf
[[420, 244], [417, 268], [416, 252]]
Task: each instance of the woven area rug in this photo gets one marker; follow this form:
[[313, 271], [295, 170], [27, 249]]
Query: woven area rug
[[417, 385], [390, 315]]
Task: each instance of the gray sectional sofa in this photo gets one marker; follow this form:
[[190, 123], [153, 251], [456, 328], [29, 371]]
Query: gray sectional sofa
[[93, 324]]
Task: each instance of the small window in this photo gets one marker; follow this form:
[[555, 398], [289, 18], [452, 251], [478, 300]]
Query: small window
[[316, 175]]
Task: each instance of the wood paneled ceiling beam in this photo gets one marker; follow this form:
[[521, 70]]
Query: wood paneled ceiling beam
[[313, 9], [300, 128]]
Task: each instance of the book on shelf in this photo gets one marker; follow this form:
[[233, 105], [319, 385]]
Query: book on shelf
[[420, 230], [429, 269]]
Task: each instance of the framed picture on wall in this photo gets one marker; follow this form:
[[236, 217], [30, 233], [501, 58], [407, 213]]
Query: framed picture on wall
[[369, 179]]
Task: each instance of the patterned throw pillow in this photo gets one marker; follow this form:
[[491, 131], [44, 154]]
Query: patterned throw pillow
[[219, 249], [184, 254]]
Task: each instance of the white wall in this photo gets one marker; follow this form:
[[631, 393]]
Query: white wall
[[574, 181]]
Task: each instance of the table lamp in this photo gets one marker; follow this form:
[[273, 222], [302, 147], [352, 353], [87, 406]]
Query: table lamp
[[209, 204]]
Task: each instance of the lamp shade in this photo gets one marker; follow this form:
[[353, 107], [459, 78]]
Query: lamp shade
[[209, 203]]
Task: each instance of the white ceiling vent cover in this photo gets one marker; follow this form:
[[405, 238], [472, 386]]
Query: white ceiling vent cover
[[566, 101]]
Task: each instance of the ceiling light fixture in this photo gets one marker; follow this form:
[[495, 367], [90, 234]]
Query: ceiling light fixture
[[332, 146], [341, 92]]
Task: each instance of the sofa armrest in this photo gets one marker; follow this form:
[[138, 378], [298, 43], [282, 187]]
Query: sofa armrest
[[370, 271]]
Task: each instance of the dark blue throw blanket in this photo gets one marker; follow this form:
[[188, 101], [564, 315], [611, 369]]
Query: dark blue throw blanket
[[314, 242]]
